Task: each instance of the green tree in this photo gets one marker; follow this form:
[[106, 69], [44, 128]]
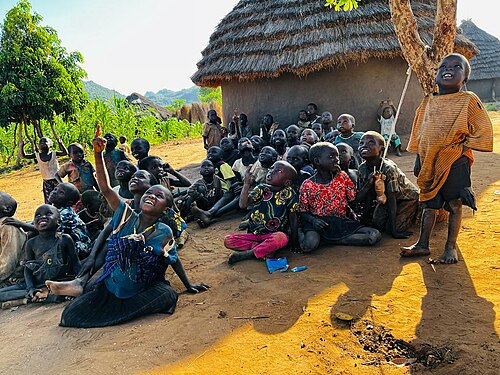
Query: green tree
[[38, 77], [208, 95]]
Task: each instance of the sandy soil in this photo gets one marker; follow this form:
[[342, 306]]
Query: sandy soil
[[253, 322]]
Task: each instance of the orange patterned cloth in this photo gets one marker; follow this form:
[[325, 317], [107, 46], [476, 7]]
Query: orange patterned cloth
[[445, 128]]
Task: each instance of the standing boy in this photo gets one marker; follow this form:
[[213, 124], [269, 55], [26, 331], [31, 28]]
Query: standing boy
[[447, 127]]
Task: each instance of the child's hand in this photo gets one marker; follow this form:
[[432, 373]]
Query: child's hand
[[319, 224], [248, 175], [31, 293], [99, 142], [168, 168], [14, 222], [197, 288]]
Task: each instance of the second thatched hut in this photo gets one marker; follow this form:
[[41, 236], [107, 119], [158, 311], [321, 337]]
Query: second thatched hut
[[276, 56]]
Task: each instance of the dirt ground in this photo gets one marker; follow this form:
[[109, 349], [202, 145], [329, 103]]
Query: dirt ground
[[445, 320]]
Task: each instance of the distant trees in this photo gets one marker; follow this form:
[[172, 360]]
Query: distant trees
[[39, 79], [208, 95]]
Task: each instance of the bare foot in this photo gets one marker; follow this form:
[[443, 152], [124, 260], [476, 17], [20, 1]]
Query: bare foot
[[200, 214], [414, 251], [450, 256], [73, 288], [241, 255], [41, 295]]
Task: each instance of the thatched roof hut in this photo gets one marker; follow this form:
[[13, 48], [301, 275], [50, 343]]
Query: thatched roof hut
[[485, 66], [146, 104], [275, 56]]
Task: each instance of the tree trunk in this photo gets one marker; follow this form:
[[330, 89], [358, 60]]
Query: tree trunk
[[30, 140], [20, 142], [38, 128], [423, 59]]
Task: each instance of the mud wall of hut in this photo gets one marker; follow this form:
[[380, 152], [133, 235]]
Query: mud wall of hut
[[358, 90], [486, 89]]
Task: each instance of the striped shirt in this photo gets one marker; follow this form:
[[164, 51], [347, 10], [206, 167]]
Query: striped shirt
[[445, 128]]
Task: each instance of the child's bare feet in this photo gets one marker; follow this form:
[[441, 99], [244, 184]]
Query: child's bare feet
[[414, 251], [201, 215], [450, 255], [73, 288], [41, 295], [241, 255]]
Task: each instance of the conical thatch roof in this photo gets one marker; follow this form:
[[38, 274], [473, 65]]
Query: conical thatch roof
[[266, 38], [486, 64], [147, 104]]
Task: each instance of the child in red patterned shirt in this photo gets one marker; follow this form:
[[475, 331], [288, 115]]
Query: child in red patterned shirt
[[323, 204]]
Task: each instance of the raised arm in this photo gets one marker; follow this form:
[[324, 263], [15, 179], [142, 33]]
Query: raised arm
[[111, 196], [63, 150], [25, 155], [243, 202], [181, 181]]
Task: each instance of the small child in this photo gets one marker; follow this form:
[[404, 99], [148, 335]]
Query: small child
[[303, 122], [124, 145], [245, 148], [292, 135], [331, 136], [140, 148], [205, 191], [212, 130], [401, 209], [267, 157], [112, 156], [267, 128], [308, 138], [49, 256], [346, 156], [155, 166], [324, 204], [312, 113], [327, 122], [257, 143], [298, 157], [278, 142], [123, 173], [12, 239], [91, 214], [47, 163], [80, 172], [345, 125], [222, 169], [318, 129], [385, 116], [273, 207], [229, 154], [447, 127], [245, 129], [63, 197]]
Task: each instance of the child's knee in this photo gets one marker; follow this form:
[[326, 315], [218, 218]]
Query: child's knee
[[374, 236], [281, 239], [229, 241]]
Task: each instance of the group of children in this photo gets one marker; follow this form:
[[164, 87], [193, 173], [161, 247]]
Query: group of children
[[106, 238]]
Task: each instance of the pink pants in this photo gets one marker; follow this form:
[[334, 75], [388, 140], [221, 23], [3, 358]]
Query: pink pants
[[261, 244]]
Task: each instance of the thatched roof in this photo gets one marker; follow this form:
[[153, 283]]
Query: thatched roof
[[266, 38], [486, 64], [147, 104]]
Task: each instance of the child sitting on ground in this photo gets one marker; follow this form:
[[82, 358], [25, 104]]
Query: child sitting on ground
[[345, 125], [123, 173], [324, 206], [229, 154], [292, 135], [124, 145], [346, 156], [138, 254], [385, 116], [327, 122], [155, 166], [308, 138], [298, 157], [278, 142], [222, 169], [140, 148], [400, 211], [247, 157], [273, 207], [49, 256], [205, 191], [91, 214], [12, 239], [447, 127], [80, 172], [318, 129], [47, 163], [303, 122], [245, 129], [63, 197], [267, 128], [112, 156]]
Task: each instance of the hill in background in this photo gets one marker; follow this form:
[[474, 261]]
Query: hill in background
[[97, 91], [166, 97]]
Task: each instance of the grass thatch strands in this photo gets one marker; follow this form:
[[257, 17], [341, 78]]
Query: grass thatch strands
[[265, 39]]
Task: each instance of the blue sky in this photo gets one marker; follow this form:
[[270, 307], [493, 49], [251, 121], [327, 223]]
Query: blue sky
[[148, 45]]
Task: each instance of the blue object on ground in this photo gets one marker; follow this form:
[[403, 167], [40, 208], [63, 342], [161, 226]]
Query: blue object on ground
[[298, 269], [277, 264]]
